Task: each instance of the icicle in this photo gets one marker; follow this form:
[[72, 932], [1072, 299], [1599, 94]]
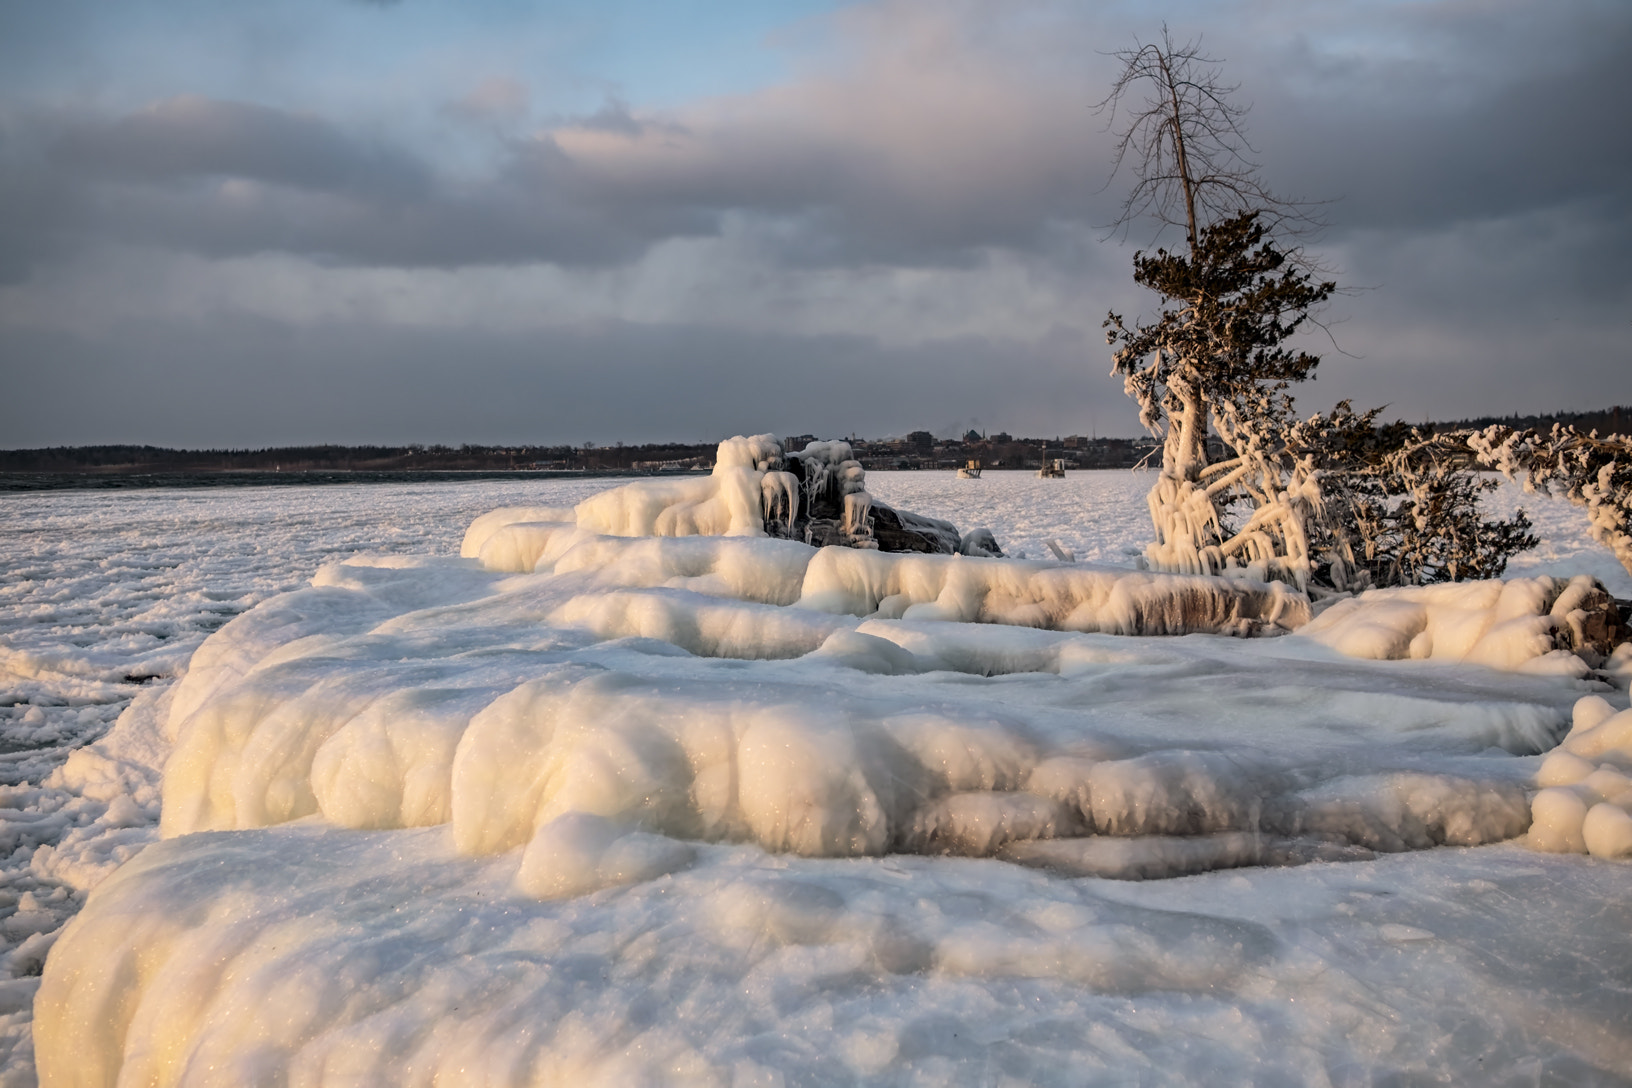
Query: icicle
[[779, 497], [858, 507]]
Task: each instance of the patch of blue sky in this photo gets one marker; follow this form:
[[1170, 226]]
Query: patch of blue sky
[[350, 58]]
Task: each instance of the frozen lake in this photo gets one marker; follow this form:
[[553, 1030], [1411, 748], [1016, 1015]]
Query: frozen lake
[[332, 933]]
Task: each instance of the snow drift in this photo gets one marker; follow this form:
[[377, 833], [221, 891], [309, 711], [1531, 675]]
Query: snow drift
[[1535, 624]]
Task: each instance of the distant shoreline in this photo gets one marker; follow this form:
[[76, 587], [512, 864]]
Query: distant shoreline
[[26, 482], [134, 481]]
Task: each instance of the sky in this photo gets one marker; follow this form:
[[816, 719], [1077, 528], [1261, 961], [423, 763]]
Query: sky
[[492, 221]]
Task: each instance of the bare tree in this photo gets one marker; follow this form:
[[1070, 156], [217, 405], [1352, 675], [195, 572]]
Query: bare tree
[[1193, 164]]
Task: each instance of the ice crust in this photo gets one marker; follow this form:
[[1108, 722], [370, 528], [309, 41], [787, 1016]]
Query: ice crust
[[633, 811], [746, 486], [1026, 593], [727, 502]]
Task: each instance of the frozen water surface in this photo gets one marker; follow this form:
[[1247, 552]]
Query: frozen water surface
[[642, 821]]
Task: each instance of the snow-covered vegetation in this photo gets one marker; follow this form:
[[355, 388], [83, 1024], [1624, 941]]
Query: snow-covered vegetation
[[707, 809], [1333, 499], [1593, 472]]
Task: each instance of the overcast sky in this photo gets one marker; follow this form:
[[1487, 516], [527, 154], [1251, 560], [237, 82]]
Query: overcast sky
[[496, 221]]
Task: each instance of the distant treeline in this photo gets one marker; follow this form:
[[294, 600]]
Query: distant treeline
[[1606, 421], [917, 451], [332, 458]]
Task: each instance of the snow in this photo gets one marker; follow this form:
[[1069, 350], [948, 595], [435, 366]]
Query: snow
[[596, 809]]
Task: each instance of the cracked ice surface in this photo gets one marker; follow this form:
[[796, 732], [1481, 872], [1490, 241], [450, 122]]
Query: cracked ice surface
[[579, 826]]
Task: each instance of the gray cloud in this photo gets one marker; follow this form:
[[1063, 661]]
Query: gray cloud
[[1432, 144], [190, 137], [1484, 172], [244, 381], [917, 154], [224, 179]]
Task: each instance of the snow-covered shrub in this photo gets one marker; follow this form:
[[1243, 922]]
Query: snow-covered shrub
[[1398, 507]]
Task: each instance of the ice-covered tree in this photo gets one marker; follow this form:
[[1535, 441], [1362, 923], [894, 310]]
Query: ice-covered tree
[[1588, 470], [1216, 360], [1333, 497], [1399, 506]]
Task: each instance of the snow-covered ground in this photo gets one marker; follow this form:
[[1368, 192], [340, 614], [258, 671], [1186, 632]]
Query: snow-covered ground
[[391, 899]]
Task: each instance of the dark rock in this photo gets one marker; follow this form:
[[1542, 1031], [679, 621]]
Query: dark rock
[[1593, 628], [981, 544], [901, 531], [825, 533]]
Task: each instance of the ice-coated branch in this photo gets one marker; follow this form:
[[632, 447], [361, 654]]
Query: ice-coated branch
[[1186, 143], [1588, 470]]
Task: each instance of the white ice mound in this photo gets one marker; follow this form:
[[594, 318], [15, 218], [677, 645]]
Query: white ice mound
[[1585, 801], [727, 502], [653, 691], [578, 853], [860, 582], [309, 956], [1510, 624], [1055, 596], [493, 522]]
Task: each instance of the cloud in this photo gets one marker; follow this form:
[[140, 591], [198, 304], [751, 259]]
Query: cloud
[[1517, 113], [939, 133], [227, 179], [240, 381], [927, 182], [919, 157], [495, 100], [188, 137]]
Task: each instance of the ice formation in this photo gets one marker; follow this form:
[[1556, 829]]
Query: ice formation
[[610, 809], [1536, 624], [727, 502], [817, 495], [1585, 801], [386, 695], [663, 534]]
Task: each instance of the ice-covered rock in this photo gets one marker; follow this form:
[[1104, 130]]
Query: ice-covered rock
[[727, 502], [1061, 597], [1536, 624], [1585, 801], [779, 497], [499, 705]]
